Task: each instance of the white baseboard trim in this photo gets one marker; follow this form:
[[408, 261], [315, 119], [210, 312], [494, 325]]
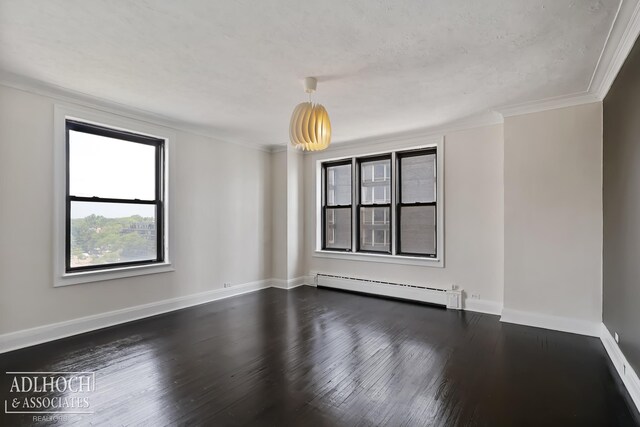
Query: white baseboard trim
[[483, 306], [290, 283], [626, 372], [41, 334], [310, 280], [556, 323]]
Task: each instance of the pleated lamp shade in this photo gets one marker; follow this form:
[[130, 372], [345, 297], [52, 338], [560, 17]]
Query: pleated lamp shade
[[310, 128]]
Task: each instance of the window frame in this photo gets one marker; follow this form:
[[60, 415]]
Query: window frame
[[399, 204], [119, 122], [325, 205], [158, 202], [358, 191], [383, 146]]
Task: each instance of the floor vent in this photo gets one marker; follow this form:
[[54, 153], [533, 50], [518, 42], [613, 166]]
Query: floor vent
[[450, 298]]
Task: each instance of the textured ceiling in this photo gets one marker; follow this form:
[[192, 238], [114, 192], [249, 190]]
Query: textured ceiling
[[236, 67]]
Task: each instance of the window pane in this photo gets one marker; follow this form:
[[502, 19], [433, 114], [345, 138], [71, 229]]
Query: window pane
[[375, 182], [338, 185], [375, 229], [418, 175], [106, 233], [338, 228], [418, 230], [110, 168]]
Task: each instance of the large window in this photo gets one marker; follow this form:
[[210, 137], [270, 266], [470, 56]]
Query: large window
[[396, 206], [114, 198]]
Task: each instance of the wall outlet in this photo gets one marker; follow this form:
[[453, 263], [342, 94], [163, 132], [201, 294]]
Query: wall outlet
[[475, 296], [227, 285], [615, 334]]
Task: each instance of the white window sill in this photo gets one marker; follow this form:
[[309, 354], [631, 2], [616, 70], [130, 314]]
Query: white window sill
[[112, 273], [388, 259]]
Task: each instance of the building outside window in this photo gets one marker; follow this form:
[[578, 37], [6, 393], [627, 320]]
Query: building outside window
[[114, 198]]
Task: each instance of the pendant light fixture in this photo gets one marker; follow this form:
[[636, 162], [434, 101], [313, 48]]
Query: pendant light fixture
[[310, 128]]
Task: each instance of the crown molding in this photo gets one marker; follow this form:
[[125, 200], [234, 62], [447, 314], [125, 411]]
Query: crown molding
[[279, 148], [487, 118], [57, 93], [548, 104], [622, 36]]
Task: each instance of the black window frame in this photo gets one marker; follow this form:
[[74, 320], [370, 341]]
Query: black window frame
[[158, 201], [360, 205], [395, 206], [325, 206], [399, 204]]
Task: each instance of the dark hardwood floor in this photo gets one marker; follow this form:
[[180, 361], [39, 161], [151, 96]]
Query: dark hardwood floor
[[317, 357]]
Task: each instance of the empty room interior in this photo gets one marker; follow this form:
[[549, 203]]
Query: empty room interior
[[336, 213]]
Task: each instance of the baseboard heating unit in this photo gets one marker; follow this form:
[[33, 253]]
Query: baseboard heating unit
[[450, 298]]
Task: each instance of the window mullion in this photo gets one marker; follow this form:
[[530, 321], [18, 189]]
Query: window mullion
[[355, 201], [392, 204]]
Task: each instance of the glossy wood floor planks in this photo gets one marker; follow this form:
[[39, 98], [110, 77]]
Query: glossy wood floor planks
[[319, 357]]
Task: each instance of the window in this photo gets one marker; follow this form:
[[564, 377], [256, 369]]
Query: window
[[396, 209], [114, 198], [336, 208], [374, 219], [416, 205]]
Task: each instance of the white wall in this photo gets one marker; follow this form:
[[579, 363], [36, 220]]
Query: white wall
[[295, 214], [523, 218], [473, 218], [553, 212], [279, 196], [288, 215], [221, 223]]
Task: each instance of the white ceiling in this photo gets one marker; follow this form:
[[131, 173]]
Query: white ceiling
[[235, 68]]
